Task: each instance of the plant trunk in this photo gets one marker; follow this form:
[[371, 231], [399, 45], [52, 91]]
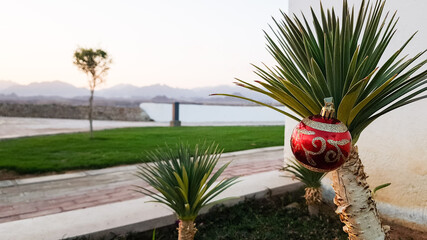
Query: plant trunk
[[90, 113], [313, 198], [186, 230], [354, 201]]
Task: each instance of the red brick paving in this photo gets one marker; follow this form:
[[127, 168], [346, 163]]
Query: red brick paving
[[93, 198]]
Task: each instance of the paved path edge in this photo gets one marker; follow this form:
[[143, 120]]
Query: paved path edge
[[134, 215], [83, 173]]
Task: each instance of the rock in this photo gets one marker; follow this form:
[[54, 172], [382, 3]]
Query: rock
[[292, 205], [72, 112]]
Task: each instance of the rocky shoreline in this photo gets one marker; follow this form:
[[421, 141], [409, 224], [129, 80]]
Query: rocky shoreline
[[54, 110]]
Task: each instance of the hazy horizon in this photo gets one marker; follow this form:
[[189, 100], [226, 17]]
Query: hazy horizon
[[119, 84], [186, 44]]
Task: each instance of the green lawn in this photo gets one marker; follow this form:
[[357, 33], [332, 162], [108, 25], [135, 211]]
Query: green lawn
[[114, 147]]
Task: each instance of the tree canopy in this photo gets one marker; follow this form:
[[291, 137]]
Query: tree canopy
[[93, 62]]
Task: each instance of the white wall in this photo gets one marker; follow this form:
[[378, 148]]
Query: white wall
[[394, 147]]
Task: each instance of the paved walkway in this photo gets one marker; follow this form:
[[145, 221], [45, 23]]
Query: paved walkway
[[33, 197], [11, 127]]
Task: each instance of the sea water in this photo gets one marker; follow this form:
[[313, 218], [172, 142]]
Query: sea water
[[162, 112]]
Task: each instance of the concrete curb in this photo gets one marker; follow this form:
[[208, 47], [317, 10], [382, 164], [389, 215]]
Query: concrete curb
[[134, 215], [133, 167]]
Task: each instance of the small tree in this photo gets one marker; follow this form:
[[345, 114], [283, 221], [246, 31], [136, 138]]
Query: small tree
[[313, 186], [185, 180], [95, 63]]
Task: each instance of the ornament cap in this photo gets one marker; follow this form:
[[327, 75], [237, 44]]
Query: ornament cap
[[328, 110]]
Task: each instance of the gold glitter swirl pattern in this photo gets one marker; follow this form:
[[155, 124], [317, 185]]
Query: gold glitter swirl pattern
[[341, 142], [338, 154], [304, 131], [336, 128], [308, 153], [313, 168], [334, 155]]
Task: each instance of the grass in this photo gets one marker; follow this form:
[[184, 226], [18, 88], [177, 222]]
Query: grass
[[252, 220], [58, 153]]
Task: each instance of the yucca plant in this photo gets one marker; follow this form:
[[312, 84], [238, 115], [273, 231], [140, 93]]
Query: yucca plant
[[338, 56], [313, 186], [185, 180]]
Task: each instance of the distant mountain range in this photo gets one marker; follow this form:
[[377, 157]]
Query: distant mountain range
[[124, 91], [54, 88], [6, 84]]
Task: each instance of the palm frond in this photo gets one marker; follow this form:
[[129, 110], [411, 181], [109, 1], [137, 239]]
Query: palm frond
[[184, 178], [309, 178], [338, 56]]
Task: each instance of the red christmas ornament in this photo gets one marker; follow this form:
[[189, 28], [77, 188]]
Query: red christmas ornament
[[321, 143]]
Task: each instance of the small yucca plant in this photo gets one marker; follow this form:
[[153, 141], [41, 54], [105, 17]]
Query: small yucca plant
[[185, 180], [312, 182]]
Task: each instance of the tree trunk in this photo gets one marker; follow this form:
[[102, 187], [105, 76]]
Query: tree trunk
[[90, 113], [313, 198], [354, 201], [186, 230], [313, 210]]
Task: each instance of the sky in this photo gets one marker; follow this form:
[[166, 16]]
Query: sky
[[184, 43]]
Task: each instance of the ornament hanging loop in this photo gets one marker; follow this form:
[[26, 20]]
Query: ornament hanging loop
[[328, 110]]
